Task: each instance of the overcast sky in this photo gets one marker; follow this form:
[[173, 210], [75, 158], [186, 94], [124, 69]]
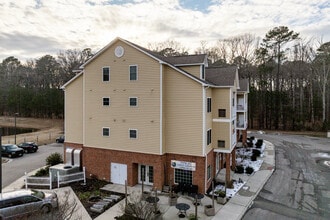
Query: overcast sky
[[30, 29]]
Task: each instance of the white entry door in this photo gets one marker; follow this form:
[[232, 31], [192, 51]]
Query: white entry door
[[118, 173], [146, 174]]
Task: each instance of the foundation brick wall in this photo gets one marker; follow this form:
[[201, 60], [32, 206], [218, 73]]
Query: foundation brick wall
[[97, 162], [210, 161], [198, 175]]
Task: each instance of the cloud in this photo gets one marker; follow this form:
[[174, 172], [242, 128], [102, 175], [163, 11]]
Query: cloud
[[64, 24], [24, 45]]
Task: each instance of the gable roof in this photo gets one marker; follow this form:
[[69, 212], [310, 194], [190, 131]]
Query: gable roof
[[149, 53], [218, 76], [244, 85], [72, 79], [214, 76]]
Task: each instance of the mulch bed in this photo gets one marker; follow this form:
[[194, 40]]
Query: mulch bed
[[85, 193]]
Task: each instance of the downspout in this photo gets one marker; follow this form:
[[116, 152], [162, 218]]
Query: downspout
[[84, 111]]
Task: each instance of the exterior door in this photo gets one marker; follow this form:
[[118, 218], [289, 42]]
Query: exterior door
[[146, 174], [118, 173]]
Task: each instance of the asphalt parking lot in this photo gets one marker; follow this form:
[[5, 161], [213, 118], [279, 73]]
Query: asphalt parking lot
[[299, 188]]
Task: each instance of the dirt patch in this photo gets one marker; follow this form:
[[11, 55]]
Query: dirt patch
[[48, 129]]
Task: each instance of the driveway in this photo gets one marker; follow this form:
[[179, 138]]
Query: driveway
[[16, 167], [300, 186]]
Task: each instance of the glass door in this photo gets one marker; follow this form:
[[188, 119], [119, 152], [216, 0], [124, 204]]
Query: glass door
[[146, 174]]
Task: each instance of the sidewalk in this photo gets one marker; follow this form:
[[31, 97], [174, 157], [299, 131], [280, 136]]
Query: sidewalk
[[238, 205], [233, 209]]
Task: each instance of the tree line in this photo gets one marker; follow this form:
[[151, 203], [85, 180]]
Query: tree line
[[33, 89], [288, 76]]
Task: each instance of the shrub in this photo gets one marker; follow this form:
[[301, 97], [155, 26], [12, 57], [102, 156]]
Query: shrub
[[256, 152], [53, 159], [249, 170], [239, 169], [42, 172]]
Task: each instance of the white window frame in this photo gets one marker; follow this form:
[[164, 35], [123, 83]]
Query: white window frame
[[209, 172], [129, 133], [103, 101], [103, 74], [103, 131], [209, 137], [129, 101], [208, 104], [129, 73], [202, 71]]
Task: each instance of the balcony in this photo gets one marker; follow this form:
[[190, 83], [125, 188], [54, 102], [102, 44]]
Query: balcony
[[240, 107]]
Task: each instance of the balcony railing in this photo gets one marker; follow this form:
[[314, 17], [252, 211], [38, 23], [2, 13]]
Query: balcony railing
[[240, 107]]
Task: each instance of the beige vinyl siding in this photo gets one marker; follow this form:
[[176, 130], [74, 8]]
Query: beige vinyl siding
[[74, 111], [193, 70], [183, 105], [119, 116], [221, 131], [221, 100], [208, 121]]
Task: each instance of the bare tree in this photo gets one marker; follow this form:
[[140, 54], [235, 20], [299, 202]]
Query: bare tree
[[321, 66], [67, 209], [168, 48]]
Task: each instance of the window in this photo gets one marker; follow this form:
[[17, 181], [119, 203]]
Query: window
[[133, 101], [233, 102], [106, 101], [133, 72], [209, 104], [209, 136], [106, 74], [222, 112], [106, 132], [132, 133], [203, 71], [221, 143], [182, 176], [208, 172], [233, 126]]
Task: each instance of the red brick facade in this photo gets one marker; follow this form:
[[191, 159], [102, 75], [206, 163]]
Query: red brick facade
[[98, 164]]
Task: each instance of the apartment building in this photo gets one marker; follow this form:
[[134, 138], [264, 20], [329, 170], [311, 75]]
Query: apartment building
[[140, 117]]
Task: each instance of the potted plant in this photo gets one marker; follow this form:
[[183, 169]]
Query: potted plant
[[209, 210], [221, 197], [192, 217], [172, 199]]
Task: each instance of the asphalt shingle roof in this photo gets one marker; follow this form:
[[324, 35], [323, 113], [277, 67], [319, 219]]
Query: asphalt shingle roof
[[243, 85], [187, 59], [221, 76]]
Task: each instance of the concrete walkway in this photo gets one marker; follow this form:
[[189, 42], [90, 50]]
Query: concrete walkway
[[233, 209]]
